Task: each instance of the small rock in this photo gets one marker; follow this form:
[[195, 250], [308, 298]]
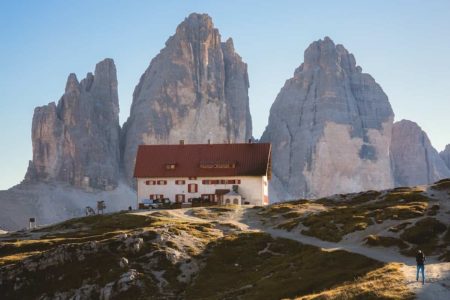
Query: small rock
[[123, 262]]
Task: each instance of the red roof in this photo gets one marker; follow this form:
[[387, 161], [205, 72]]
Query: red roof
[[203, 160]]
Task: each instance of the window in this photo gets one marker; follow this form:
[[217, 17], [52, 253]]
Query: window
[[171, 166], [223, 181], [162, 182], [217, 165], [179, 198], [234, 181], [192, 178], [150, 182], [179, 182], [206, 181], [192, 188]]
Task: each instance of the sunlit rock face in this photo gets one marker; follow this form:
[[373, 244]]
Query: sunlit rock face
[[445, 155], [330, 128], [77, 140], [195, 89], [415, 161]]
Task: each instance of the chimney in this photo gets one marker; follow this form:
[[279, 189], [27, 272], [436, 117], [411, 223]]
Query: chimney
[[181, 142], [209, 141], [249, 141]]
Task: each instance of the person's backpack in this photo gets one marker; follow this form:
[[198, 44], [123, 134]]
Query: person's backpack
[[420, 258]]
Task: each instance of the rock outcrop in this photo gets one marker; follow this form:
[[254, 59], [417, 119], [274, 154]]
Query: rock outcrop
[[330, 128], [77, 141], [195, 89], [415, 161], [445, 155]]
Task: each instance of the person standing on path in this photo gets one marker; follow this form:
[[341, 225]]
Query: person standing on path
[[420, 259]]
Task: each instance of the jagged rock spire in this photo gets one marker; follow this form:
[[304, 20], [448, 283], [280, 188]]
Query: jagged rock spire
[[77, 140], [195, 89]]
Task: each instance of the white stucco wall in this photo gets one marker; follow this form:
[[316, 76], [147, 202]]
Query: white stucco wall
[[252, 188]]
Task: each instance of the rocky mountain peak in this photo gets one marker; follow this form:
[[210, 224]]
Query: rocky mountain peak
[[415, 161], [330, 127], [196, 27], [195, 89], [326, 55], [445, 155], [72, 84], [77, 140]]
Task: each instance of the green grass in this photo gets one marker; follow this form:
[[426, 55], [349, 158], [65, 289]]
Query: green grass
[[236, 268], [79, 230], [355, 214], [442, 185], [212, 213], [102, 266], [399, 227], [385, 241], [383, 283], [424, 234]]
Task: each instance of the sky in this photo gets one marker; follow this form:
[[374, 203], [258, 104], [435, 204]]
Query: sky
[[404, 45]]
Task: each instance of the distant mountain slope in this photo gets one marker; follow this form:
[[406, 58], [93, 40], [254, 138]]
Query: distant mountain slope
[[415, 161], [56, 202], [445, 155]]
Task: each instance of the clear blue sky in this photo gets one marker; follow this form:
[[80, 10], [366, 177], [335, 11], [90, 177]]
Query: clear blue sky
[[404, 45]]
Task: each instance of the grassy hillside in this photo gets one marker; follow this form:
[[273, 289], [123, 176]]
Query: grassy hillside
[[163, 256], [405, 218]]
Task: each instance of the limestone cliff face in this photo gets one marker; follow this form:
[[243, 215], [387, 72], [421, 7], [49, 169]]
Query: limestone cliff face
[[415, 161], [445, 155], [77, 140], [330, 128], [195, 89]]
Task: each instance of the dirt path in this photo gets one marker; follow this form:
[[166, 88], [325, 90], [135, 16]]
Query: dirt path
[[437, 283], [437, 274]]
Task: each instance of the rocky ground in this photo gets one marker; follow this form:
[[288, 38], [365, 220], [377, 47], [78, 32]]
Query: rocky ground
[[344, 247]]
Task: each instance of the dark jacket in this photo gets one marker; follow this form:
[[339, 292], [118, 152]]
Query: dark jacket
[[420, 258]]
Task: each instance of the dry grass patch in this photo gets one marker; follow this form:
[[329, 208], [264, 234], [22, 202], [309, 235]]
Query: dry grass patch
[[387, 282], [442, 185], [256, 266], [98, 224], [10, 259], [213, 213], [385, 241], [399, 227], [350, 215], [289, 224], [424, 234]]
